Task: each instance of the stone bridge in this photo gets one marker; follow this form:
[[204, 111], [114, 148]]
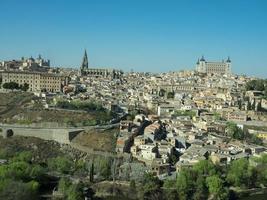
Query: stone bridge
[[61, 135]]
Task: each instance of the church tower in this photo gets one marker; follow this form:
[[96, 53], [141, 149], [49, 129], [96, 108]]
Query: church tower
[[84, 65], [201, 65], [228, 65]]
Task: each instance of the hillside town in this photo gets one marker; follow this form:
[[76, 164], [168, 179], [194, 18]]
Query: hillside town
[[133, 100], [132, 128], [168, 121]]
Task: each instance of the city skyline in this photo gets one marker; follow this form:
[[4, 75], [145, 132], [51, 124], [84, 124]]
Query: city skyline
[[80, 117], [144, 36]]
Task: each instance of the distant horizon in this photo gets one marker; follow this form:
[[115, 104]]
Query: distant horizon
[[129, 70], [146, 36]]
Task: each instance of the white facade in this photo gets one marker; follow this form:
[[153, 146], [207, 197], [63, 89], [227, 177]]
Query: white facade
[[223, 67]]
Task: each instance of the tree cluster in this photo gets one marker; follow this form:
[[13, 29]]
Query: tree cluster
[[237, 133], [16, 86], [20, 178], [259, 85], [234, 131], [206, 180], [103, 116], [61, 164], [69, 190], [189, 113], [80, 105]]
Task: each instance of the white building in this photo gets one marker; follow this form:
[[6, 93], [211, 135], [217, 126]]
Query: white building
[[148, 151], [223, 67]]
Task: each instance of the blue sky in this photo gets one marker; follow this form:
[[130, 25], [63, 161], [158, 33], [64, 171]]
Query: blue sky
[[144, 35]]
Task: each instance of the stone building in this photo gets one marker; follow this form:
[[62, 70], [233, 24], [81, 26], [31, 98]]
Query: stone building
[[97, 72], [26, 64], [37, 81], [223, 67]]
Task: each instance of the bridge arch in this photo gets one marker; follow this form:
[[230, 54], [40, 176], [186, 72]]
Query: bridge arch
[[8, 133]]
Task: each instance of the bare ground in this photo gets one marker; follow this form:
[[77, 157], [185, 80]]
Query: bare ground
[[101, 140]]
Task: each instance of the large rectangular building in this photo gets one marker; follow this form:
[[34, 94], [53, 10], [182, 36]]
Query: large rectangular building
[[37, 81], [221, 68]]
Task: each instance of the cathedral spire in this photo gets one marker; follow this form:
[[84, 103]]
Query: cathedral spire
[[85, 61]]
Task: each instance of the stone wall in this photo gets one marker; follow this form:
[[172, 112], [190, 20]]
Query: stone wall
[[48, 131], [61, 135]]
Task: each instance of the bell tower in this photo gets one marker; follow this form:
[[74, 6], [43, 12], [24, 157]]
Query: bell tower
[[228, 65]]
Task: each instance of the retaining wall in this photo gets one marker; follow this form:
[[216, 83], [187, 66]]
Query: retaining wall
[[61, 135]]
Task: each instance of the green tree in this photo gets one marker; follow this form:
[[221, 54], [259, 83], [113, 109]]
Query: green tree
[[70, 191], [162, 92], [237, 173], [5, 153], [259, 85], [33, 186], [170, 191], [217, 116], [215, 185], [61, 164], [234, 131], [185, 184], [17, 190], [151, 187], [16, 170], [204, 168], [250, 85], [24, 87], [75, 192], [260, 170], [63, 185], [25, 156], [103, 166], [201, 189], [190, 113], [251, 138], [37, 172], [11, 85]]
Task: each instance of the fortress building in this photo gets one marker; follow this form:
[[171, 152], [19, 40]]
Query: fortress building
[[97, 72], [222, 68]]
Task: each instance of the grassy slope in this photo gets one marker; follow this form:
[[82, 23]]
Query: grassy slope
[[98, 139], [41, 149]]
